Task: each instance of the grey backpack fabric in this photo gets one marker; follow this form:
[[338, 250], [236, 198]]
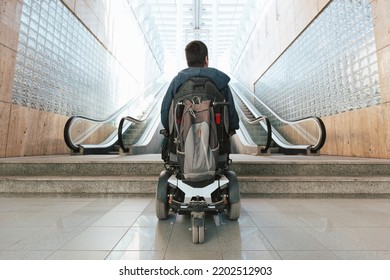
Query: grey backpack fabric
[[198, 147]]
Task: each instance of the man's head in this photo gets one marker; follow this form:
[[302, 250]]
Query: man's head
[[197, 54]]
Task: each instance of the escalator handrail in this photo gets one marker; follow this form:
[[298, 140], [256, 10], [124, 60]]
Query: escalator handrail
[[69, 122], [120, 131], [257, 119], [133, 120], [67, 139], [269, 129], [320, 124]]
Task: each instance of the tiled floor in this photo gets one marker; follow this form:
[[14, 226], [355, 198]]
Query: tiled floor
[[119, 227]]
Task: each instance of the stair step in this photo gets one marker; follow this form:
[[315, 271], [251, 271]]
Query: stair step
[[268, 175], [147, 184], [153, 168], [326, 185], [78, 184]]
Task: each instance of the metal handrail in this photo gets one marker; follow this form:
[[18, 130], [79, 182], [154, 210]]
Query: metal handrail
[[99, 122], [321, 127], [269, 129], [133, 120], [120, 129]]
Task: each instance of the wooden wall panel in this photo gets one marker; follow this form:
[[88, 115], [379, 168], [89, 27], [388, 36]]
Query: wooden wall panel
[[60, 142], [5, 110], [7, 71], [70, 3], [385, 144], [330, 136], [384, 72], [10, 13], [322, 4], [304, 12], [359, 133], [380, 10], [34, 132]]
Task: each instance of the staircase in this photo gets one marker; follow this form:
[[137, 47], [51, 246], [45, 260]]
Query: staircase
[[271, 176]]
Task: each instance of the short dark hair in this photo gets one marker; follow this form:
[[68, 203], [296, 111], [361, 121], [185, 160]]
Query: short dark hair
[[196, 52]]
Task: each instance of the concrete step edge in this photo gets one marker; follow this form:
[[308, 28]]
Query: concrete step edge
[[240, 178]]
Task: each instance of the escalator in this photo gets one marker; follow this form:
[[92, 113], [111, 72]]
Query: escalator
[[130, 145], [302, 136], [255, 133], [142, 135], [140, 127], [90, 136]]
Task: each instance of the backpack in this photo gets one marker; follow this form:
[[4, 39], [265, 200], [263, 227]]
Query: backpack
[[197, 145]]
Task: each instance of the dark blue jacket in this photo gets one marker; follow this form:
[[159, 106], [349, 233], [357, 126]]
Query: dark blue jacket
[[219, 79]]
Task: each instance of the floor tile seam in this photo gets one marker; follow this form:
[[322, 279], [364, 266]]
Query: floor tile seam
[[46, 211], [118, 211], [248, 250], [355, 234], [51, 254], [38, 229], [360, 250], [197, 250], [220, 246], [293, 227], [353, 229], [306, 250], [138, 250], [116, 244], [109, 226], [67, 228], [265, 237], [301, 250], [86, 250], [334, 226], [171, 225], [169, 239], [114, 226], [20, 250], [336, 252], [81, 230], [288, 211], [314, 228], [151, 226]]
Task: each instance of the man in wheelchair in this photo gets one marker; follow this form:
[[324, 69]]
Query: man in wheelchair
[[199, 116]]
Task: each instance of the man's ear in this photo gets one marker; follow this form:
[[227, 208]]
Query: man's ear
[[206, 61]]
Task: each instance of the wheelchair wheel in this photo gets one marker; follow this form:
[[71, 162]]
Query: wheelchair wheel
[[162, 204], [233, 207], [233, 211], [201, 234], [198, 226], [197, 234], [162, 209]]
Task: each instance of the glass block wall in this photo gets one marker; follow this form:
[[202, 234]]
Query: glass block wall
[[330, 68], [62, 68]]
